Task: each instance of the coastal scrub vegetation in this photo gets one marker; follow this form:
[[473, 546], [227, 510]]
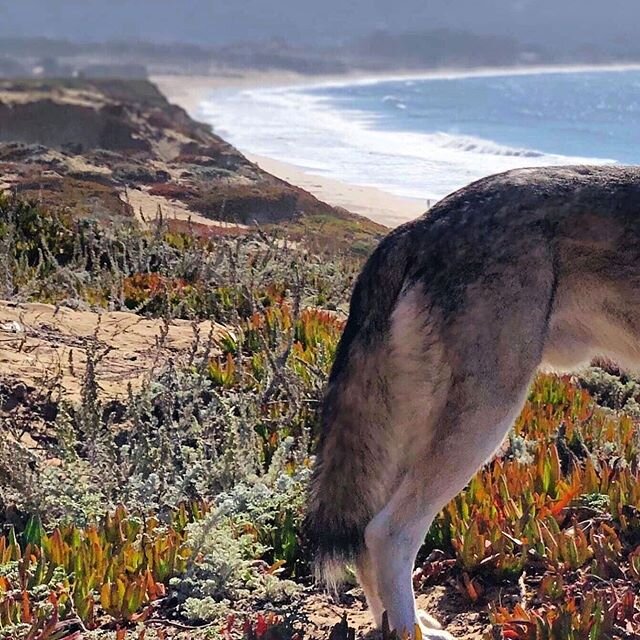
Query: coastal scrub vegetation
[[175, 510]]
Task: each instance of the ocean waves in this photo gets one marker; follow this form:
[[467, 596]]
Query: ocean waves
[[396, 136], [471, 144]]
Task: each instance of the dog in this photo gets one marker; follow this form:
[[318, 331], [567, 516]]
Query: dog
[[449, 321]]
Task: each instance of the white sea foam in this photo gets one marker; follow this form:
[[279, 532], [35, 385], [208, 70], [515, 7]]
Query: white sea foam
[[410, 79], [313, 132]]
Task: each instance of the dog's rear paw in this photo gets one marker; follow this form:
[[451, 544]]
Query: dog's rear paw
[[425, 620], [436, 634], [431, 629]]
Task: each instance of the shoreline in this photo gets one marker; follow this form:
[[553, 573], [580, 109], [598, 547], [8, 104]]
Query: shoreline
[[380, 206], [189, 90]]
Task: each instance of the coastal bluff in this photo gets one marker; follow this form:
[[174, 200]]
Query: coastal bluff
[[105, 148]]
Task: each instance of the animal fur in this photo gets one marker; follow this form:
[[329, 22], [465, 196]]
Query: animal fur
[[450, 319]]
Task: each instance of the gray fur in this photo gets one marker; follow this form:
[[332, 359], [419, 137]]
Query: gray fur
[[449, 321]]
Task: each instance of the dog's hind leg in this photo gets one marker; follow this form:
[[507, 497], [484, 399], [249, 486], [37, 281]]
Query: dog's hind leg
[[368, 582], [393, 539], [434, 474]]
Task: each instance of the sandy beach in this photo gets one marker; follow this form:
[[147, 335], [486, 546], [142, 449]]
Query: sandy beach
[[382, 207], [189, 91]]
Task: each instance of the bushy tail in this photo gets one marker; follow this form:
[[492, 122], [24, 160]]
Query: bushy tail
[[349, 483]]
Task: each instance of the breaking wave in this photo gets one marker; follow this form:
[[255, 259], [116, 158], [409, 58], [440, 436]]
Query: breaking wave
[[378, 134]]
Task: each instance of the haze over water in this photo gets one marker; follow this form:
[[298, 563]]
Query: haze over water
[[427, 137]]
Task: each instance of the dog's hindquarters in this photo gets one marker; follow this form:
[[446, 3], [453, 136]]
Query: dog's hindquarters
[[420, 397], [493, 284]]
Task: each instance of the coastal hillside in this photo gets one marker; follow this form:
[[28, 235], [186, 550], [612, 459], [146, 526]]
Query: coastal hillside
[[117, 149], [162, 366], [159, 395]]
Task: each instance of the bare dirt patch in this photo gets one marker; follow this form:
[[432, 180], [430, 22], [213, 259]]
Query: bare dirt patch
[[41, 342], [442, 602]]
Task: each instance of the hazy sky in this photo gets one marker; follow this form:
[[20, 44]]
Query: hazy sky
[[213, 21]]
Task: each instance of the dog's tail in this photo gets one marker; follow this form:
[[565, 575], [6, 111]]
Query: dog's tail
[[350, 480]]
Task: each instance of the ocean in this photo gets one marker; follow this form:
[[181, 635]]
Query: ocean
[[424, 137]]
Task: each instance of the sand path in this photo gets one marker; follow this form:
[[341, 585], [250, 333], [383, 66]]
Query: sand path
[[41, 343]]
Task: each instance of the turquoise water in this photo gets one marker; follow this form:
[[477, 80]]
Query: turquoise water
[[425, 137]]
